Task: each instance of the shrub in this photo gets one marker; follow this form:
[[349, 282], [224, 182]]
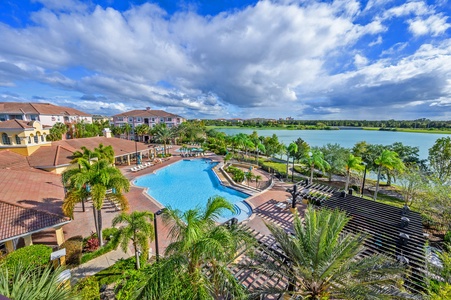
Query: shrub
[[74, 248], [88, 288], [35, 256], [92, 244], [447, 238]]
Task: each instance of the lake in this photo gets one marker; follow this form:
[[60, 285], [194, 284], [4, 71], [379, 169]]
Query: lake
[[349, 137]]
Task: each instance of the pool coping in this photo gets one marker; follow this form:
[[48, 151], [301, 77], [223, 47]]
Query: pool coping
[[247, 203]]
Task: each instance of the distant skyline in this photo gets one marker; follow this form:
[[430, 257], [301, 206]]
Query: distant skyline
[[343, 59]]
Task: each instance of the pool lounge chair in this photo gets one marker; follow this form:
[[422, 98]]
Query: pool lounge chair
[[134, 169]]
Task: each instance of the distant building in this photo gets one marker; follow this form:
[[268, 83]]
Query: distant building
[[100, 118], [23, 137], [46, 113], [147, 116]]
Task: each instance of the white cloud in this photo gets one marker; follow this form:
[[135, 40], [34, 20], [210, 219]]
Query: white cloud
[[360, 61], [416, 8], [434, 25]]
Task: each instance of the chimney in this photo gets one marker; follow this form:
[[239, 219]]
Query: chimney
[[148, 108], [107, 132]]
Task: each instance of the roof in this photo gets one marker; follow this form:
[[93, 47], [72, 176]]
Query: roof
[[60, 153], [39, 108], [13, 161], [147, 113], [15, 124], [32, 189], [18, 221]]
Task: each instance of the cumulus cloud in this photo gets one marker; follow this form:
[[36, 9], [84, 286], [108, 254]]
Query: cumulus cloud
[[278, 57]]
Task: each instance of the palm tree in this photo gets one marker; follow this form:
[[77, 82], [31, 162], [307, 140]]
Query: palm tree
[[163, 135], [141, 130], [291, 151], [28, 283], [105, 152], [248, 176], [138, 228], [389, 160], [352, 163], [127, 129], [94, 180], [323, 262], [85, 153], [259, 148], [257, 179], [198, 242], [314, 159]]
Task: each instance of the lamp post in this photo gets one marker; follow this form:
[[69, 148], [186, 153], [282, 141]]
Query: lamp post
[[156, 231], [311, 171], [294, 194], [364, 177], [136, 146]]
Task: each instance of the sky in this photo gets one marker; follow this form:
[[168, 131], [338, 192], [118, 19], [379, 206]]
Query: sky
[[209, 59]]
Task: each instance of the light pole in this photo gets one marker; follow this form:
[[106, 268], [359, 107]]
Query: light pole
[[136, 147], [156, 231], [364, 177], [311, 168], [294, 194]]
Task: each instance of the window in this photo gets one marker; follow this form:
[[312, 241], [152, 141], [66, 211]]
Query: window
[[169, 119], [36, 139], [138, 119], [53, 119], [130, 120], [5, 139], [29, 140], [42, 138], [17, 140], [178, 120], [162, 120], [34, 117], [153, 119], [2, 117]]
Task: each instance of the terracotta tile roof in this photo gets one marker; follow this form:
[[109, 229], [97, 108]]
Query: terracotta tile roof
[[39, 108], [15, 124], [13, 161], [18, 220], [32, 189], [54, 155], [147, 113], [60, 153]]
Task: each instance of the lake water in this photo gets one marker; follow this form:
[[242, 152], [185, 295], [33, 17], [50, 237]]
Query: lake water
[[348, 138]]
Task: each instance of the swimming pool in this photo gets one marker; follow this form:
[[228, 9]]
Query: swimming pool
[[190, 183]]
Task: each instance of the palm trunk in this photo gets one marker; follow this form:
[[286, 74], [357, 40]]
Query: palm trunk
[[99, 232], [377, 183], [347, 180], [83, 203], [257, 157], [292, 171], [287, 165], [138, 266], [311, 173]]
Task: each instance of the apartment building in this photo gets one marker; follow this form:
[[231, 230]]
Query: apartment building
[[47, 114], [147, 116]]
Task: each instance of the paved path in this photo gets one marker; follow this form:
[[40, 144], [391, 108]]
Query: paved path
[[98, 264]]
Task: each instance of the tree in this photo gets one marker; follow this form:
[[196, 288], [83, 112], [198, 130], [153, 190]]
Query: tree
[[323, 261], [336, 156], [257, 179], [303, 149], [29, 283], [248, 176], [316, 159], [198, 242], [137, 228], [292, 149], [440, 158], [94, 180], [141, 130], [163, 135], [352, 163], [85, 153], [412, 184], [105, 152], [388, 159], [57, 131], [127, 129]]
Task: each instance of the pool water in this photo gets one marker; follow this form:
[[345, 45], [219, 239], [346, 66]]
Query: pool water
[[190, 183]]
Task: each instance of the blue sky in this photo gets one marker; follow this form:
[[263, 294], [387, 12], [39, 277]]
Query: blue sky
[[343, 59]]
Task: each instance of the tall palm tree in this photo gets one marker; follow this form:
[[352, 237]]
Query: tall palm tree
[[315, 159], [352, 163], [137, 228], [163, 134], [127, 129], [141, 130], [259, 148], [257, 179], [292, 149], [248, 176], [105, 152], [389, 160], [28, 283], [195, 263], [85, 153], [323, 262], [94, 180]]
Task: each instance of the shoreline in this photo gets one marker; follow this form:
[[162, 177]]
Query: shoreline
[[429, 131]]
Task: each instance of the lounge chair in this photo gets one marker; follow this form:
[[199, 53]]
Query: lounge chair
[[134, 169]]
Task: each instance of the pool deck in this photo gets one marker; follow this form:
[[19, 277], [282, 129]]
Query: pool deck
[[263, 205]]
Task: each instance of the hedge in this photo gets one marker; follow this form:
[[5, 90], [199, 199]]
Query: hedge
[[35, 256], [74, 248], [88, 288]]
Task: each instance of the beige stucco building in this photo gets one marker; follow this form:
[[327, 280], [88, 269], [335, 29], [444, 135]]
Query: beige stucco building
[[23, 137]]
